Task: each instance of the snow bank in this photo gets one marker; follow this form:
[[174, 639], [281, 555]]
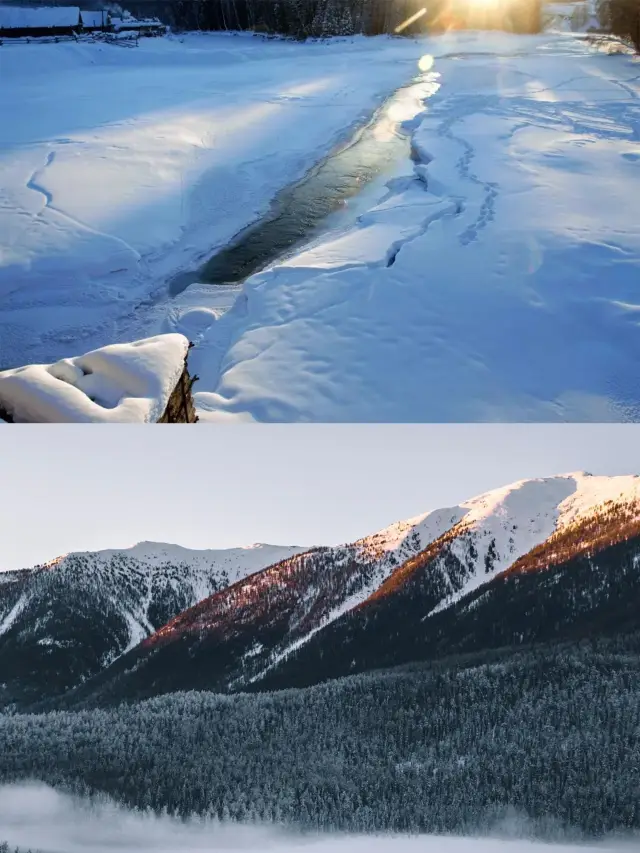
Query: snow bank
[[126, 383]]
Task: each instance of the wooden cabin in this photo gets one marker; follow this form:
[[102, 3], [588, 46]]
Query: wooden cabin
[[94, 21], [58, 21], [19, 22]]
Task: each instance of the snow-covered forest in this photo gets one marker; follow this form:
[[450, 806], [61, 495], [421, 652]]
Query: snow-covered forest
[[297, 18], [550, 739]]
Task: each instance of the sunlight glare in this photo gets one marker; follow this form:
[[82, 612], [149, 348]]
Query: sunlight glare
[[425, 63], [304, 89]]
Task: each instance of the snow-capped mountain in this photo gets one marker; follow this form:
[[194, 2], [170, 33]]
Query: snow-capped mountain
[[377, 601], [64, 621]]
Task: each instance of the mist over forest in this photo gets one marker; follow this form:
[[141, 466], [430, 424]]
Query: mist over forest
[[37, 818]]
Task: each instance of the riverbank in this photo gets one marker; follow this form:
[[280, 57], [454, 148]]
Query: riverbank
[[121, 168]]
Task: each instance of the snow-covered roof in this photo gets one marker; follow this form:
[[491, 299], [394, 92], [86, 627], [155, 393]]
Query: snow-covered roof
[[120, 383], [16, 17], [134, 24], [93, 19]]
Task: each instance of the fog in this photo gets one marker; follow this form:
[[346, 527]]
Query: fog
[[35, 816]]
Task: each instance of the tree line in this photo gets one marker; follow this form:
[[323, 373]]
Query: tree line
[[548, 735], [323, 18]]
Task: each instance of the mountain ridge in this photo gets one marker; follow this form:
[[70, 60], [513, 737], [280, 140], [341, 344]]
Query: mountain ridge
[[161, 626], [240, 636], [65, 620]]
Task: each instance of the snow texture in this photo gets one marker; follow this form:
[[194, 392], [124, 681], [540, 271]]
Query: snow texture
[[238, 562], [124, 383], [130, 577], [507, 522]]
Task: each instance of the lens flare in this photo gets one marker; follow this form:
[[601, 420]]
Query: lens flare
[[425, 63], [409, 21]]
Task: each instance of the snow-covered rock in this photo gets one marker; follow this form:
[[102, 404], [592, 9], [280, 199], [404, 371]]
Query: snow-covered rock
[[124, 383]]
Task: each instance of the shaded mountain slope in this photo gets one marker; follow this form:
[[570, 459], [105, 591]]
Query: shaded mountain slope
[[63, 622]]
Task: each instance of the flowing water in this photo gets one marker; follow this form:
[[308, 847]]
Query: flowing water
[[302, 210]]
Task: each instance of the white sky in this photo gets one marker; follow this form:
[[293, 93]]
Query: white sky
[[79, 488]]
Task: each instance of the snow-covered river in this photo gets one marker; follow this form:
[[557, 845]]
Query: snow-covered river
[[494, 277], [330, 196]]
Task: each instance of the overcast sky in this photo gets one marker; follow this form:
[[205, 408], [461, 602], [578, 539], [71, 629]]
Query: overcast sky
[[79, 488]]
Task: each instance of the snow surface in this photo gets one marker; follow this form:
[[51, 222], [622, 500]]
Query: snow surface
[[119, 168], [12, 615], [36, 816], [511, 296], [118, 383], [521, 516], [564, 498], [594, 491]]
